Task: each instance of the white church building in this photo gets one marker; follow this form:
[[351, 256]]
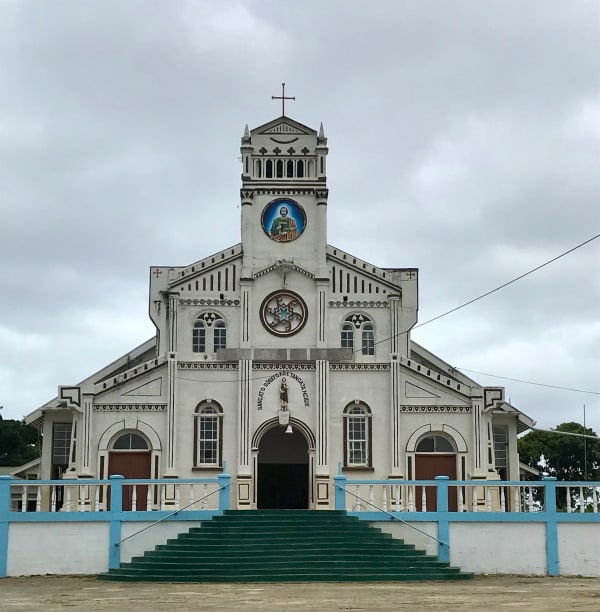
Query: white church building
[[283, 358]]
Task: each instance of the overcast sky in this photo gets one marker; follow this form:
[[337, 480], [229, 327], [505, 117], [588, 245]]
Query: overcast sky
[[464, 140]]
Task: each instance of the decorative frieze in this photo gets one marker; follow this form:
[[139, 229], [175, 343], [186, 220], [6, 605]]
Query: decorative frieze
[[130, 407], [205, 302], [359, 366], [283, 366], [202, 365], [443, 409], [359, 304]]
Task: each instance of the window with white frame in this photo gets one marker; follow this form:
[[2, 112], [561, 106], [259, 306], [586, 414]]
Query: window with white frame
[[208, 435], [209, 333], [220, 336], [368, 339], [360, 325], [347, 336], [357, 435]]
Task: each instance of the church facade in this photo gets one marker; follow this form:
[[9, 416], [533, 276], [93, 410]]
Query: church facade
[[283, 359]]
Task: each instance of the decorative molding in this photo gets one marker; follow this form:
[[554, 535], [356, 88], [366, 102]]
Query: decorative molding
[[431, 409], [280, 264], [283, 366], [70, 396], [130, 407], [359, 366], [200, 365], [359, 304], [204, 302]]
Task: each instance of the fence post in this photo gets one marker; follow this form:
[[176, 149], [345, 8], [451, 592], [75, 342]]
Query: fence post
[[224, 490], [442, 520], [116, 509], [340, 491], [4, 513], [551, 525]]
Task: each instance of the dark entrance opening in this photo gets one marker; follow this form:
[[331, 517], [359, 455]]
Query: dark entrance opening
[[282, 479]]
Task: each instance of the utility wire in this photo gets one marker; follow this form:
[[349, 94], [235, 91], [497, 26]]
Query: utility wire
[[528, 382], [514, 280]]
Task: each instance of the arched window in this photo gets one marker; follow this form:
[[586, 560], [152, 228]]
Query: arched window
[[300, 169], [357, 436], [289, 171], [347, 336], [130, 441], [209, 333], [258, 168], [220, 336], [279, 166], [435, 444], [269, 169], [368, 339], [199, 337], [208, 435]]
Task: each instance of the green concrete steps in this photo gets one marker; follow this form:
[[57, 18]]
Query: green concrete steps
[[284, 546]]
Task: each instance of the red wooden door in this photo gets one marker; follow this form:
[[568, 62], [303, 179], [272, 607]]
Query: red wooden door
[[131, 465], [427, 467]]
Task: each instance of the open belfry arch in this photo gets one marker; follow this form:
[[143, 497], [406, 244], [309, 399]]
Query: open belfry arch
[[282, 359]]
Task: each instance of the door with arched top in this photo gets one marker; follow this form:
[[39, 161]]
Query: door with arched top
[[435, 456], [282, 470], [130, 456]]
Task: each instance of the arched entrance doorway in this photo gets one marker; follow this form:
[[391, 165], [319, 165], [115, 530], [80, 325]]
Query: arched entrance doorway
[[130, 457], [436, 456], [282, 470]]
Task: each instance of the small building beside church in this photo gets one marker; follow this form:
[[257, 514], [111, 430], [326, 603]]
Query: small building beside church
[[282, 358]]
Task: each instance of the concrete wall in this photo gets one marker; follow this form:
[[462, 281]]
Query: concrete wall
[[57, 548]]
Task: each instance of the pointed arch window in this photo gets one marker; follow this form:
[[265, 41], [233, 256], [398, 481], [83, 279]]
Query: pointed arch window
[[357, 436], [208, 435], [300, 169], [279, 166], [269, 169], [289, 171]]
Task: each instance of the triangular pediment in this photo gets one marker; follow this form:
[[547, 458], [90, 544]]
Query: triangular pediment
[[411, 390], [352, 275], [284, 268], [283, 126], [151, 388], [181, 277]]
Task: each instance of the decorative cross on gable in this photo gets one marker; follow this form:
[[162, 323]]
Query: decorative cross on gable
[[283, 98]]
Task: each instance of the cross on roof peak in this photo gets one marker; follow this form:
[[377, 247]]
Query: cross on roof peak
[[283, 98]]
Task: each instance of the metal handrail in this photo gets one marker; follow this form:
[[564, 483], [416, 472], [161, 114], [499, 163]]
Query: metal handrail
[[393, 516], [175, 513]]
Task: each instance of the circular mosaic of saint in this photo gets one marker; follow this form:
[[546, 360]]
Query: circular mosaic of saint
[[283, 313], [283, 220]]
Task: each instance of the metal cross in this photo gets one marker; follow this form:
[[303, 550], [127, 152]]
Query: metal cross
[[283, 98], [157, 272]]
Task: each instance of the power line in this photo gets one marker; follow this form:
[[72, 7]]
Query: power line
[[514, 280], [528, 382]]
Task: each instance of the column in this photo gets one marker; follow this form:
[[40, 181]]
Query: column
[[171, 458], [244, 468], [322, 497]]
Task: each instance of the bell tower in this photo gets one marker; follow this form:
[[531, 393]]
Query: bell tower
[[284, 195]]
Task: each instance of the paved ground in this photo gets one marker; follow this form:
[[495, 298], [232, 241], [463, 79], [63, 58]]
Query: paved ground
[[484, 593]]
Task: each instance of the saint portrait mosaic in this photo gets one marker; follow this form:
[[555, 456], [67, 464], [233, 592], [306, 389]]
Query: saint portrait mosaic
[[283, 220], [283, 313]]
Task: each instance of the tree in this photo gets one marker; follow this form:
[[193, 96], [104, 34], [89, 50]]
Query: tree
[[18, 443], [565, 457]]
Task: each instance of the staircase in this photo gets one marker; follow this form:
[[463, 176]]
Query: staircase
[[284, 546]]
